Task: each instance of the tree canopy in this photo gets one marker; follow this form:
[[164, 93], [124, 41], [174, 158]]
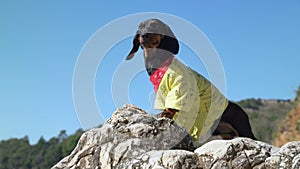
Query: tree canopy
[[18, 153]]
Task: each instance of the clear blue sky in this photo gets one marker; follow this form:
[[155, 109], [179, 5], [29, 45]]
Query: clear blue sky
[[258, 43]]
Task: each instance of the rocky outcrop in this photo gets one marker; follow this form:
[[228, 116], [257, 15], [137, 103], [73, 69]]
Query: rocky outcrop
[[131, 138]]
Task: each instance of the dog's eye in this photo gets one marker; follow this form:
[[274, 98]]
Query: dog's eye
[[145, 36]]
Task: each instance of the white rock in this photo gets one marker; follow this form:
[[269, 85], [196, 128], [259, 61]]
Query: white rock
[[131, 138]]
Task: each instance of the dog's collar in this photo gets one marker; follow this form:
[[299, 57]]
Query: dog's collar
[[159, 73]]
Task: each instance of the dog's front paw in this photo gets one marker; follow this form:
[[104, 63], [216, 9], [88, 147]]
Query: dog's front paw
[[166, 114]]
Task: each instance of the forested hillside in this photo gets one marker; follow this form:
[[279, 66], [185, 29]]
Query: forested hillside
[[270, 118], [19, 154], [266, 115]]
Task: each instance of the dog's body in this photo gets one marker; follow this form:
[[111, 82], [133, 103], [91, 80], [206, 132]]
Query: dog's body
[[183, 94]]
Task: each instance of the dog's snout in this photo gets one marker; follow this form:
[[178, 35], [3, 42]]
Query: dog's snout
[[145, 38]]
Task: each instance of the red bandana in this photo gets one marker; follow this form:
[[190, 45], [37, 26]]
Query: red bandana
[[157, 76]]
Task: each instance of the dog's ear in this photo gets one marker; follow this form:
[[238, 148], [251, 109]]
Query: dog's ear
[[170, 44], [135, 47]]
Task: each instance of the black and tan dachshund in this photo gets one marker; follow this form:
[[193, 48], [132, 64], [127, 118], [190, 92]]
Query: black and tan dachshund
[[159, 45]]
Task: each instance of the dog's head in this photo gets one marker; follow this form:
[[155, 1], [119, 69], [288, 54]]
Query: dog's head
[[157, 41]]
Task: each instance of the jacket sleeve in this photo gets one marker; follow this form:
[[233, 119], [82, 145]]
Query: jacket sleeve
[[183, 91]]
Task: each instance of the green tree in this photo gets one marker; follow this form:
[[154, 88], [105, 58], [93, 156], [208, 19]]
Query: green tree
[[251, 103], [53, 153], [69, 144], [18, 153], [62, 136]]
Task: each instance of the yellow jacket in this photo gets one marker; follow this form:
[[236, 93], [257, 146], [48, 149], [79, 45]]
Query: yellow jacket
[[199, 102]]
